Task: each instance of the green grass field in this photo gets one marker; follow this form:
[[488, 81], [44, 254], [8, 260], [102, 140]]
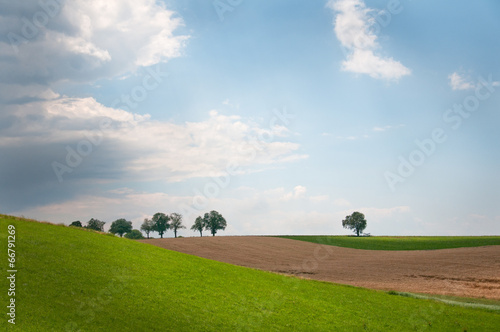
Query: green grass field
[[401, 242], [71, 279]]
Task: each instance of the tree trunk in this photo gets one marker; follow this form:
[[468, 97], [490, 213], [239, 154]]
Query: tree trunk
[[201, 234], [357, 232], [175, 233]]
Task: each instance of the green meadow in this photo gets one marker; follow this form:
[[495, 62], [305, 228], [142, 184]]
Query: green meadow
[[401, 242], [71, 279]]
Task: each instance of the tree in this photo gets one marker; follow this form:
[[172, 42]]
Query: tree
[[160, 221], [96, 225], [76, 223], [134, 234], [356, 222], [198, 225], [120, 227], [176, 222], [214, 221], [147, 226]]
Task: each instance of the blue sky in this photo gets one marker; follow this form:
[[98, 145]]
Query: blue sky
[[284, 116]]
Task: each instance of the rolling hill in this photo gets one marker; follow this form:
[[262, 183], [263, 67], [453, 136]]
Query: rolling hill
[[71, 279]]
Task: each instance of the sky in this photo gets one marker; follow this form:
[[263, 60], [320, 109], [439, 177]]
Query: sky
[[285, 116]]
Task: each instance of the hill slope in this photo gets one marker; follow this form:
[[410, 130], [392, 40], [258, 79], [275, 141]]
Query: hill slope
[[70, 279]]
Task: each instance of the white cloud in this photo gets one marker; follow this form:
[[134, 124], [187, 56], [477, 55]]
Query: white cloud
[[249, 211], [149, 149], [352, 28], [380, 129], [385, 128], [123, 203], [91, 39], [342, 202], [459, 82], [366, 62], [260, 213], [379, 213], [297, 193], [319, 198], [13, 92]]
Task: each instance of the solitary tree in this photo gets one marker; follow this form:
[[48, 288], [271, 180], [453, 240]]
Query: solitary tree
[[120, 227], [214, 221], [160, 221], [96, 225], [76, 223], [134, 234], [176, 222], [198, 225], [147, 226], [356, 222]]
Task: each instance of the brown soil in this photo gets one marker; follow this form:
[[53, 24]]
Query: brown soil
[[468, 272]]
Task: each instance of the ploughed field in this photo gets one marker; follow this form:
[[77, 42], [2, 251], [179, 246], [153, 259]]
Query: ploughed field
[[464, 272]]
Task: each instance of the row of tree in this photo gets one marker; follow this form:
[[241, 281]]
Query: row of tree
[[119, 226], [160, 223], [212, 222]]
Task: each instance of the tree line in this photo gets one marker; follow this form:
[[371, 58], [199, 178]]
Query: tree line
[[160, 223]]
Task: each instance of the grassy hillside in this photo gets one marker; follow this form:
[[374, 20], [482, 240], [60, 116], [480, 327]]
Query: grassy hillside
[[401, 242], [70, 279]]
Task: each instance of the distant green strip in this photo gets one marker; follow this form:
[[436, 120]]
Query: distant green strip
[[401, 242]]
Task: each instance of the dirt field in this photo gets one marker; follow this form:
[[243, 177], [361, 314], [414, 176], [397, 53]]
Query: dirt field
[[469, 272]]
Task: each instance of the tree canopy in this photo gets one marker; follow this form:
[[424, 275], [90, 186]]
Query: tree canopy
[[120, 227], [161, 224], [356, 222], [96, 225], [134, 234], [176, 222], [147, 226], [198, 225], [76, 223], [214, 221]]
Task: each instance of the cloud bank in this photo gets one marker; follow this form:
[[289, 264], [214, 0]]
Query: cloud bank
[[353, 25], [46, 42], [55, 147]]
